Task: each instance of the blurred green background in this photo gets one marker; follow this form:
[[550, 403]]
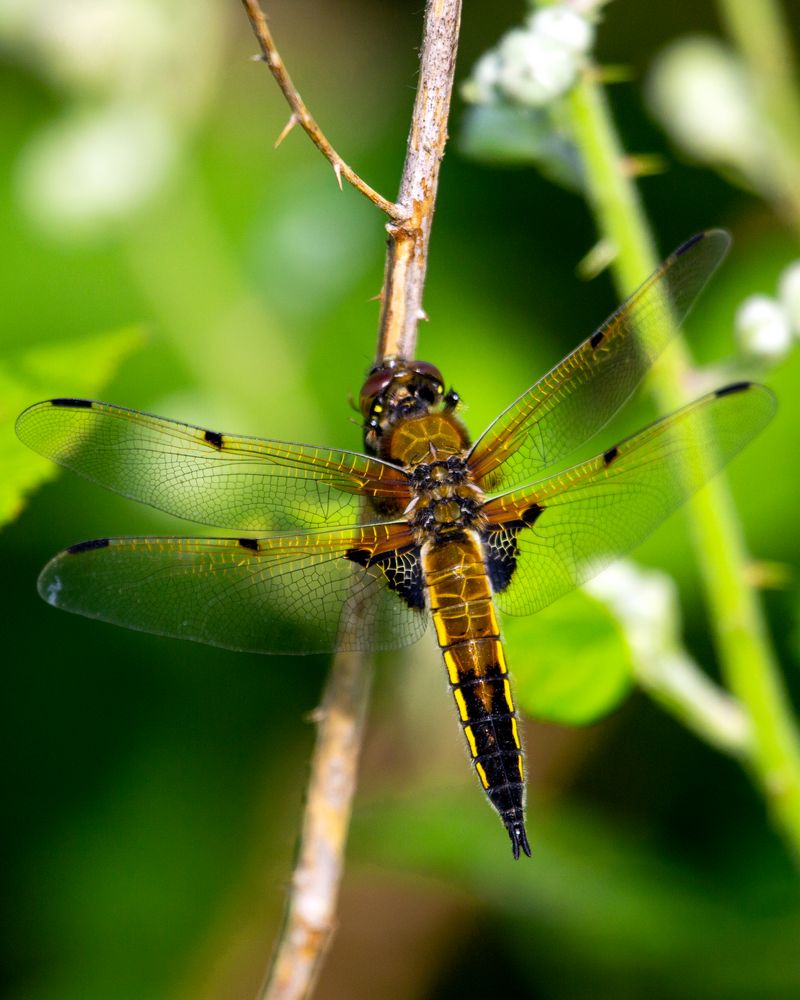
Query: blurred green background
[[154, 789]]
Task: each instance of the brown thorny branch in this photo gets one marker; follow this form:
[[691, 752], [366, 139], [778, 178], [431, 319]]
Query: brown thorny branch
[[310, 913]]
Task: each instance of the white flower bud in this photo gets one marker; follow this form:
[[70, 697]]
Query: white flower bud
[[789, 295], [564, 27], [762, 328], [79, 175], [534, 70], [92, 44], [643, 601], [699, 91], [481, 87]]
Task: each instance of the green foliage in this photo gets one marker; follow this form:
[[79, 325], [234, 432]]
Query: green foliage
[[73, 368], [509, 136], [571, 663], [155, 788], [599, 904]]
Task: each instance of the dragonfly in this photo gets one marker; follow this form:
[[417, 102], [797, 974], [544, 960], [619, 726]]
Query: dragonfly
[[341, 550]]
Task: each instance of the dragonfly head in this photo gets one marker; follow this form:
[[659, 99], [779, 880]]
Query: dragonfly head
[[398, 390]]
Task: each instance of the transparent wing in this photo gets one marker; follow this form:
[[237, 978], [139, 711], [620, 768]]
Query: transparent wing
[[244, 483], [548, 538], [286, 594], [581, 394]]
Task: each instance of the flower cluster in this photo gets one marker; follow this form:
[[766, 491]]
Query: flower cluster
[[536, 63], [766, 325], [700, 92]]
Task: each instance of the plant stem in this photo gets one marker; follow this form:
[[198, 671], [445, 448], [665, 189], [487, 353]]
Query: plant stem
[[762, 35], [675, 681], [407, 255], [748, 662], [310, 917], [311, 906]]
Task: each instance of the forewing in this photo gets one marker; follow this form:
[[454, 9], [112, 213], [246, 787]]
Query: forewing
[[548, 538], [285, 594], [581, 394], [243, 483]]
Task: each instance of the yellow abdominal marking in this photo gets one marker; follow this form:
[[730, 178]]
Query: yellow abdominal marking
[[507, 692], [471, 740], [462, 705], [515, 731], [482, 775], [452, 666], [501, 657], [442, 633]]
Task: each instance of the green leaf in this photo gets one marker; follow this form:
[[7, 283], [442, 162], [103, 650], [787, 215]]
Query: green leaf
[[570, 663], [597, 891], [77, 368], [504, 135]]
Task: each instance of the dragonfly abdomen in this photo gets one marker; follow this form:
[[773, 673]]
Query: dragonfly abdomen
[[466, 625]]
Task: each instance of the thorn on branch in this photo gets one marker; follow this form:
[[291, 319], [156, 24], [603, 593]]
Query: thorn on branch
[[643, 165], [287, 128], [301, 114]]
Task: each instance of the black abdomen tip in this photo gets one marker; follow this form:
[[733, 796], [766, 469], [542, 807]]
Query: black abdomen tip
[[519, 838]]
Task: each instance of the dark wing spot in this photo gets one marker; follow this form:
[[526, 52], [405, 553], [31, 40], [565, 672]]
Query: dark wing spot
[[729, 390], [689, 244], [500, 546], [404, 575], [78, 404], [248, 543], [214, 438], [95, 543], [531, 515], [402, 570], [360, 556], [610, 455], [596, 338]]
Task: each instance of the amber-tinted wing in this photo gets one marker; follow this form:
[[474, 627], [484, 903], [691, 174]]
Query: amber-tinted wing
[[284, 594], [548, 538], [581, 394], [243, 483]]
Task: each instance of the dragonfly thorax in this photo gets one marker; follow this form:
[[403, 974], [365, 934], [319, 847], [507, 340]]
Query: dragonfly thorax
[[447, 505], [448, 472]]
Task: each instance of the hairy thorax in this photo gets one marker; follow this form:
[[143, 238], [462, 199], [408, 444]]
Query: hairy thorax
[[447, 502]]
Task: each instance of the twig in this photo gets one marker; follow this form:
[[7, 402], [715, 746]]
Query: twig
[[311, 906], [301, 115], [746, 655], [678, 684], [310, 920], [407, 256]]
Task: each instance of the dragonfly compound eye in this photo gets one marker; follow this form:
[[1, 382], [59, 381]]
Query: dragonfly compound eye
[[377, 383]]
